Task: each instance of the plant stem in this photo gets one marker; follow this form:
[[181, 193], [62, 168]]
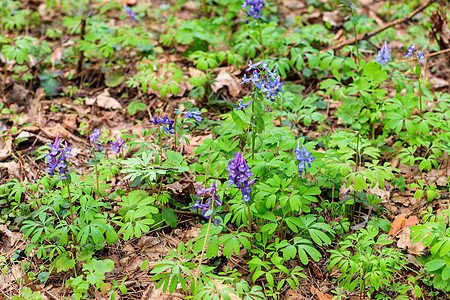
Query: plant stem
[[260, 40], [280, 107], [420, 96], [82, 34], [356, 45], [175, 129], [253, 131], [249, 219], [96, 174], [160, 147], [197, 273], [204, 10], [72, 218]]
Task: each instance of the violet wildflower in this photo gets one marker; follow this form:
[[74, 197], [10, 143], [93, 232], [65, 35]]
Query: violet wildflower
[[349, 4], [243, 105], [384, 55], [169, 128], [239, 175], [410, 51], [265, 81], [130, 12], [254, 8], [93, 138], [115, 146], [303, 156], [56, 158], [206, 208], [197, 115], [421, 57]]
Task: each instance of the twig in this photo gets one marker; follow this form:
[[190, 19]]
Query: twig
[[382, 28]]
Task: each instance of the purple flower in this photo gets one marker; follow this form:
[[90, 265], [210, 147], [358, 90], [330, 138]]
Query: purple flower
[[169, 128], [303, 156], [130, 12], [206, 208], [349, 4], [243, 105], [93, 137], [254, 8], [410, 51], [56, 158], [115, 146], [421, 57], [239, 174], [252, 66], [197, 115], [384, 55], [266, 81]]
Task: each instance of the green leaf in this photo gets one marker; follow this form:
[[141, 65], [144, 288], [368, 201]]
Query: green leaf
[[134, 106], [114, 78], [435, 264], [170, 217]]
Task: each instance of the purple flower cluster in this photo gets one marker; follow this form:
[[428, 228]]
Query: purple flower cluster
[[206, 208], [303, 156], [243, 105], [130, 12], [169, 124], [197, 115], [268, 83], [420, 56], [239, 175], [93, 137], [384, 55], [56, 159], [254, 8], [115, 146]]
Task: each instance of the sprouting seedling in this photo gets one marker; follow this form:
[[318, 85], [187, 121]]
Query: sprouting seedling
[[384, 55]]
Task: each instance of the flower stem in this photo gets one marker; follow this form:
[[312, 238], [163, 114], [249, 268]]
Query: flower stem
[[263, 50], [356, 45], [249, 219], [72, 218], [420, 96], [253, 131], [96, 174], [160, 147], [197, 273]]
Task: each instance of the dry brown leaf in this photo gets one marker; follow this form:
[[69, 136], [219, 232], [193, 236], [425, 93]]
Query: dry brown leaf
[[397, 225], [411, 221], [226, 80], [104, 100], [5, 148], [404, 241], [320, 295]]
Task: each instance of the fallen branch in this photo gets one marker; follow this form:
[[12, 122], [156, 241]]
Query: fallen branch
[[382, 28]]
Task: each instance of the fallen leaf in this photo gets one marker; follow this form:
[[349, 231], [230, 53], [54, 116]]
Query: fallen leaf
[[397, 225], [320, 295], [5, 148], [404, 241], [104, 100], [411, 221], [224, 79]]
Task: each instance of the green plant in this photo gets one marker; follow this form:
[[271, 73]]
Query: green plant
[[434, 233], [364, 265]]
